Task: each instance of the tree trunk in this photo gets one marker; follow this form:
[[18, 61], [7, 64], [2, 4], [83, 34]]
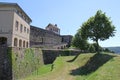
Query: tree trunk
[[98, 51]]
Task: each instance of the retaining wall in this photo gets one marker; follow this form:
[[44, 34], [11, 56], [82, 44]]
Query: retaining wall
[[5, 64], [16, 63]]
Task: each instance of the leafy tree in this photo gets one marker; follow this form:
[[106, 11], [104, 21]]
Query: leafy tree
[[98, 27], [95, 46], [91, 48], [79, 42]]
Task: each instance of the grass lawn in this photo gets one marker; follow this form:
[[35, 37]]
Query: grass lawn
[[84, 67]]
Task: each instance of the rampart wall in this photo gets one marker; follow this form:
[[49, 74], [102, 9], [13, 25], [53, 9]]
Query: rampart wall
[[5, 64], [16, 63], [43, 38]]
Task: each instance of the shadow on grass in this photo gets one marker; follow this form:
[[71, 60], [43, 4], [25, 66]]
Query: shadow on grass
[[74, 58], [92, 65]]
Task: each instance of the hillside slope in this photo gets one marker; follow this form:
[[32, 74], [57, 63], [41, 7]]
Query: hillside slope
[[99, 67], [83, 67]]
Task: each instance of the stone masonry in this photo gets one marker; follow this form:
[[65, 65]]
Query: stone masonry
[[47, 39], [43, 38], [5, 64]]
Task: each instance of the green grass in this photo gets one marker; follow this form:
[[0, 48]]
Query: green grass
[[42, 70], [49, 67], [84, 67], [109, 70], [47, 70]]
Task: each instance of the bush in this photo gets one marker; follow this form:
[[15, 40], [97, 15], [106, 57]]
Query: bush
[[65, 53]]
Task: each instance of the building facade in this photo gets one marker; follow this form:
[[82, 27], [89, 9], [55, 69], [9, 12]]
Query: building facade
[[15, 30], [53, 28], [48, 39], [44, 38], [67, 39], [14, 25]]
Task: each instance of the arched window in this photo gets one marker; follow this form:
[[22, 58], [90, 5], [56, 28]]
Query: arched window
[[3, 41], [64, 46], [15, 42], [20, 43], [23, 43], [27, 44], [61, 47]]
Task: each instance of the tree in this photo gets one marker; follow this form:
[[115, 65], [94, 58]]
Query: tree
[[79, 42], [91, 48], [95, 46], [98, 27]]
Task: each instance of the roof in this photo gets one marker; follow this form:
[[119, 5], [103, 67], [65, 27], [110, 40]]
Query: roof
[[55, 26], [17, 6], [44, 30]]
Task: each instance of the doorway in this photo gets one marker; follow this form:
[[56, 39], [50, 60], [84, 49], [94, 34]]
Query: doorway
[[3, 41]]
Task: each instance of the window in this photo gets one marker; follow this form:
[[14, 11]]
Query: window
[[20, 14], [15, 42], [27, 20], [16, 25], [23, 43], [27, 44], [3, 41], [21, 28], [28, 31], [24, 29], [20, 43], [51, 29]]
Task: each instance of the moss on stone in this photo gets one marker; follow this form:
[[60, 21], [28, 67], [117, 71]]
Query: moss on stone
[[24, 61]]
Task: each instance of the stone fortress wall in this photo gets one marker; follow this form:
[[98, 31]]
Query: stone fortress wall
[[67, 39], [48, 39]]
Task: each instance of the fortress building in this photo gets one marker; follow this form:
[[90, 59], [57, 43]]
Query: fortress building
[[17, 33], [14, 25], [53, 28], [43, 38], [67, 39], [48, 38], [15, 30]]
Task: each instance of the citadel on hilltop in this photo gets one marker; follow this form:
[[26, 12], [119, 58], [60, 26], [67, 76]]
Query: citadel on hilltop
[[24, 47], [16, 31]]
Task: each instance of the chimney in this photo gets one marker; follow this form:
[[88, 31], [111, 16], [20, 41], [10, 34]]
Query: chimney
[[56, 25]]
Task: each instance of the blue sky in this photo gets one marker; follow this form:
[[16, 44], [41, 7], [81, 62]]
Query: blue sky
[[70, 14]]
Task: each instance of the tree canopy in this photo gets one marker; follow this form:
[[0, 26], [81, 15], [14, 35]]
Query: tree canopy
[[79, 42], [97, 27]]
